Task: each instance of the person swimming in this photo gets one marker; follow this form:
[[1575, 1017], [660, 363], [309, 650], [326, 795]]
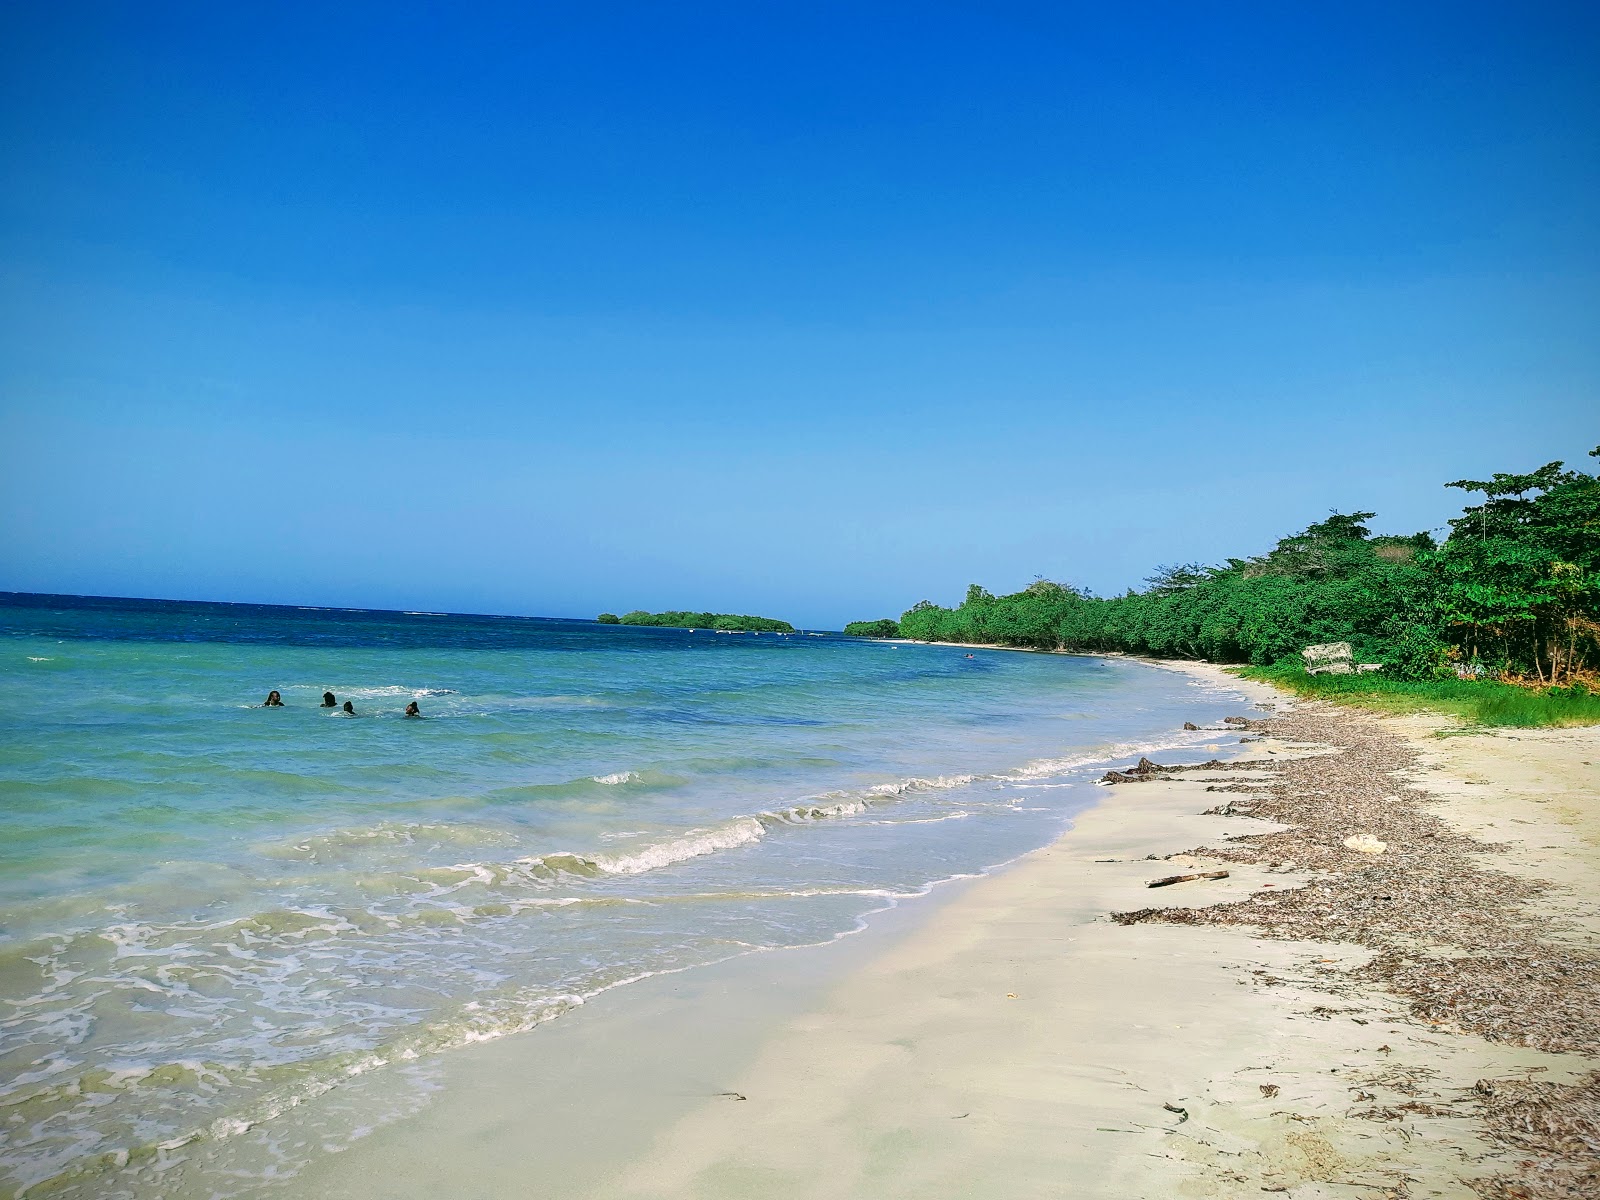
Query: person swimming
[[329, 700], [350, 708], [412, 710], [273, 700]]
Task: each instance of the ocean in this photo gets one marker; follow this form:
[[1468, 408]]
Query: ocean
[[212, 912]]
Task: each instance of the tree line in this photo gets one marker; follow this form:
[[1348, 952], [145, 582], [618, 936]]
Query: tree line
[[1512, 592], [698, 620]]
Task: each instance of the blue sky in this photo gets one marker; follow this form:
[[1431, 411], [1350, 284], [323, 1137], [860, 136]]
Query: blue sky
[[811, 310]]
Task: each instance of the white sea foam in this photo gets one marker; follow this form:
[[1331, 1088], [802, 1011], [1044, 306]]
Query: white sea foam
[[959, 815], [1104, 756], [739, 832], [544, 869], [918, 783], [743, 831], [802, 813]]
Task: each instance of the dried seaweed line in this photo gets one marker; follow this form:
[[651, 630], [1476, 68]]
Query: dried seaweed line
[[1501, 977]]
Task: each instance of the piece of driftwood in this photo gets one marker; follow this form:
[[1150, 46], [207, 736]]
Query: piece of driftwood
[[1172, 879], [1146, 770]]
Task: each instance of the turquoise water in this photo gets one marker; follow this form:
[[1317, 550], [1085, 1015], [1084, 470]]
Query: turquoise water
[[212, 912]]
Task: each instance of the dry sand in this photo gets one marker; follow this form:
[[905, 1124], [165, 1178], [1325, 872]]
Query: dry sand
[[1016, 1042]]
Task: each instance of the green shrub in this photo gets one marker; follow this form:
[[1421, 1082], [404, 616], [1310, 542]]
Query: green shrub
[[1477, 702], [884, 628], [1514, 591]]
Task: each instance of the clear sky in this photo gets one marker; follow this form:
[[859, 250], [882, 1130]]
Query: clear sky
[[803, 309]]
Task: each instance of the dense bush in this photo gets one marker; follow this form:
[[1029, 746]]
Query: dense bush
[[1513, 592], [884, 628]]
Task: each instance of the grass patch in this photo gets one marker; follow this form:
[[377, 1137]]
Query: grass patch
[[1483, 702]]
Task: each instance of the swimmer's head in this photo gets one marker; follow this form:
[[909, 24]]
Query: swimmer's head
[[350, 708], [412, 710], [273, 700], [328, 700]]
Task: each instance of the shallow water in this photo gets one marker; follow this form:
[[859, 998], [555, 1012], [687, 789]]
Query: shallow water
[[211, 912]]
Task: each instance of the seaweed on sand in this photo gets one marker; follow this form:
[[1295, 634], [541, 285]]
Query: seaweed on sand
[[1454, 937]]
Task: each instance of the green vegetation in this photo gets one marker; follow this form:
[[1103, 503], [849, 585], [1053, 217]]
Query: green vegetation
[[1513, 594], [884, 628], [1520, 574], [1477, 702], [704, 620], [609, 619]]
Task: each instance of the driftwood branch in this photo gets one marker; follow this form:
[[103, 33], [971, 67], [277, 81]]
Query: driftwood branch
[[1172, 879]]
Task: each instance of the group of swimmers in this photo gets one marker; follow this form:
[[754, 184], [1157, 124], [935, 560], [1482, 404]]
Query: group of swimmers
[[329, 700]]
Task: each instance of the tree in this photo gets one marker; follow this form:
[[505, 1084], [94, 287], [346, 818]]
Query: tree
[[1521, 572], [884, 628], [1516, 583]]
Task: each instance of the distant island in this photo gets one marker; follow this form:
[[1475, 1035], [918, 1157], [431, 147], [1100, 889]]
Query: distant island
[[884, 628], [698, 620]]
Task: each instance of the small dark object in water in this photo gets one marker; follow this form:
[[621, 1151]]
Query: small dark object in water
[[350, 708], [412, 710], [1172, 879], [329, 700], [273, 700], [1190, 725]]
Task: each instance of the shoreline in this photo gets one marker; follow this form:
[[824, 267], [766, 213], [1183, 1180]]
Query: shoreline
[[1006, 1037], [750, 994]]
